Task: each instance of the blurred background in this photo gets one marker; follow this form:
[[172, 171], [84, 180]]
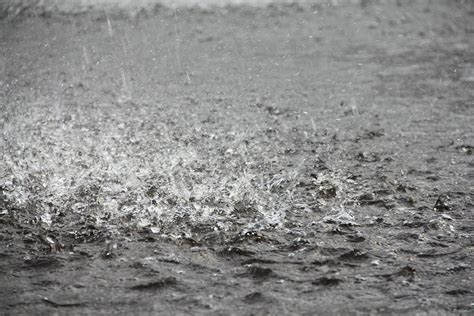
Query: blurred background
[[13, 8]]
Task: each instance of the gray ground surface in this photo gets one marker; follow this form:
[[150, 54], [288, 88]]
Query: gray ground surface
[[288, 159]]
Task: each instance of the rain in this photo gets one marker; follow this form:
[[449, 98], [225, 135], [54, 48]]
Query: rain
[[269, 157]]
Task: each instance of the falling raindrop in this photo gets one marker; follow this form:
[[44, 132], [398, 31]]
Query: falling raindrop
[[109, 23], [86, 57], [126, 92]]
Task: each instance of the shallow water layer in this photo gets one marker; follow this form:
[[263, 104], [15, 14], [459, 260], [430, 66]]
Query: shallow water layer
[[282, 158]]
